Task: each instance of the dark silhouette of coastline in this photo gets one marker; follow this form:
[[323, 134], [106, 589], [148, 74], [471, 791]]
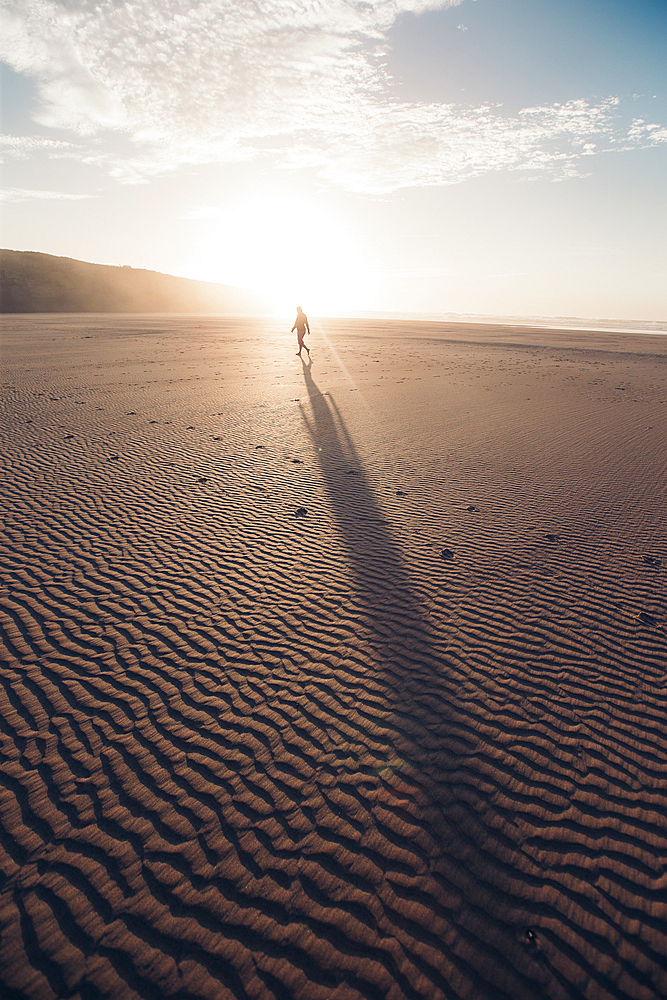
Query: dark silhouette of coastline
[[41, 283]]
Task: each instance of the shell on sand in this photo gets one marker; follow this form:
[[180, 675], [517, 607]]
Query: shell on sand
[[248, 753]]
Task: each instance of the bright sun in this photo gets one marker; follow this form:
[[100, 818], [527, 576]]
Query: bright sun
[[292, 253]]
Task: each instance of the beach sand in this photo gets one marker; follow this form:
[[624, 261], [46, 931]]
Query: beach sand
[[333, 683]]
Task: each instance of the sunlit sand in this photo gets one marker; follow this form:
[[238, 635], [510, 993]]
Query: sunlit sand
[[332, 680]]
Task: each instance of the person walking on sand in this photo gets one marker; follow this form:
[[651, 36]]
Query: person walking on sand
[[301, 327]]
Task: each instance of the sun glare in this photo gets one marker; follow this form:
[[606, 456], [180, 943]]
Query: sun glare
[[290, 252]]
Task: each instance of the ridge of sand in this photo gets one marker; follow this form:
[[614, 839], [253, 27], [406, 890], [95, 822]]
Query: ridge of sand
[[343, 682]]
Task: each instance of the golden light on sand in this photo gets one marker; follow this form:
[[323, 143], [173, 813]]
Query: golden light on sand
[[291, 252], [362, 697]]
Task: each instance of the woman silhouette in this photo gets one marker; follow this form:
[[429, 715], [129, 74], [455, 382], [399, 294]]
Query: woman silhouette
[[301, 327]]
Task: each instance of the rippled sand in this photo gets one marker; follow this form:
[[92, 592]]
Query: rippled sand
[[337, 682]]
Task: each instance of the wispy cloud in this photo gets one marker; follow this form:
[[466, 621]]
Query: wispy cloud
[[21, 147], [299, 81], [647, 133], [429, 144], [29, 194]]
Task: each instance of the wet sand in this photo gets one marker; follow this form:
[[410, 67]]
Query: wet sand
[[341, 682]]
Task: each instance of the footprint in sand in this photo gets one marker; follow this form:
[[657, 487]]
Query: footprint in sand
[[447, 554], [400, 493], [647, 619], [68, 437], [552, 538], [113, 458], [301, 512], [652, 561], [202, 479], [471, 507], [297, 461]]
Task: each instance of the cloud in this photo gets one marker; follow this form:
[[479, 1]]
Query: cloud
[[29, 194], [21, 147], [652, 134], [429, 144], [301, 83], [239, 67]]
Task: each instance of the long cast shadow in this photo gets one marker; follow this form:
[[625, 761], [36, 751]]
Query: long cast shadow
[[398, 638], [431, 738], [380, 573]]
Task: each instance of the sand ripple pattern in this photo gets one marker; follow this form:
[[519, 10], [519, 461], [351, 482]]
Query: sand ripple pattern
[[409, 744]]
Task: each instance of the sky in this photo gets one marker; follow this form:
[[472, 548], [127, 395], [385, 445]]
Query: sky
[[476, 157]]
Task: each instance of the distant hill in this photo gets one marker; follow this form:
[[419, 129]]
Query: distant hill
[[41, 283]]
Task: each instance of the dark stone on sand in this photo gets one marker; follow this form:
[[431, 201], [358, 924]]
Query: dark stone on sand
[[258, 446], [202, 479], [471, 507], [530, 940], [114, 458], [297, 461], [400, 493], [68, 437], [447, 554], [301, 512]]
